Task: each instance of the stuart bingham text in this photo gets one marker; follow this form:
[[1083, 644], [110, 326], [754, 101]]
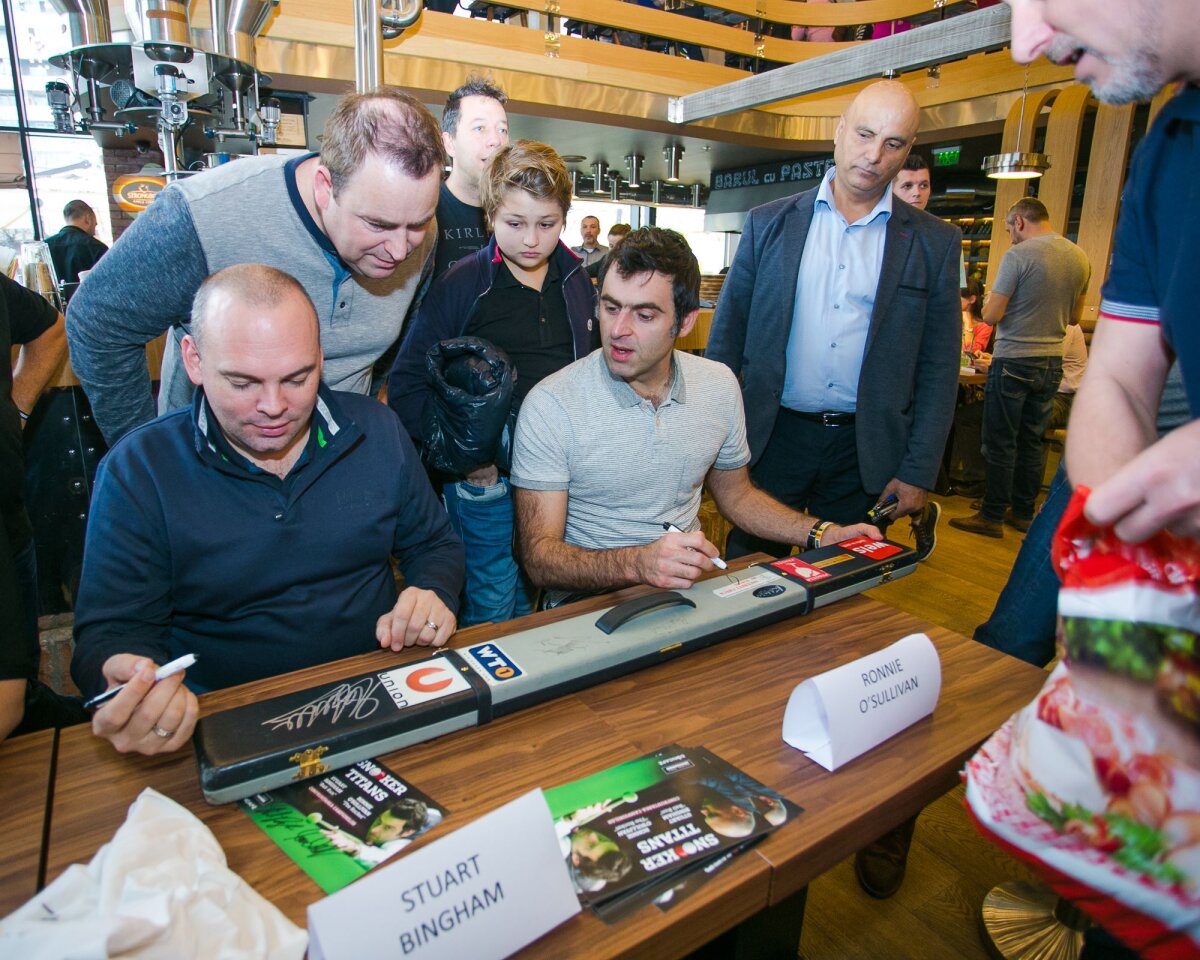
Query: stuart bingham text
[[459, 905]]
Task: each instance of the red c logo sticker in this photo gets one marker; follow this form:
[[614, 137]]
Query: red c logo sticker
[[416, 680]]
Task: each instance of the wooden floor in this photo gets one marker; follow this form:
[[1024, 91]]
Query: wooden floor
[[950, 867]]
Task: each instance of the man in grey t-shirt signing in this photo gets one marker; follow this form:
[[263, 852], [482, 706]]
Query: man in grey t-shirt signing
[[618, 445], [1037, 291]]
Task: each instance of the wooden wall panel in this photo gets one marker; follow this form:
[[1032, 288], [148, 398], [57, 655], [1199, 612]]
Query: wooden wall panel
[[1018, 137], [1161, 98], [1063, 134], [1102, 197]]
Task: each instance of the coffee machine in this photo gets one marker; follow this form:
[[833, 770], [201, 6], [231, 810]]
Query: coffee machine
[[194, 88]]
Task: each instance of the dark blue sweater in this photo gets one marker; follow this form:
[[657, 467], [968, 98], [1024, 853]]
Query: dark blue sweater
[[189, 552], [446, 313]]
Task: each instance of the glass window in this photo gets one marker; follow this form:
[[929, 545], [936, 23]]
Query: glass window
[[709, 248], [40, 33], [16, 225], [67, 168], [8, 97]]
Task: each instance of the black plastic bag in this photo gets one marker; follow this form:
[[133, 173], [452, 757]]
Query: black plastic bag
[[471, 381]]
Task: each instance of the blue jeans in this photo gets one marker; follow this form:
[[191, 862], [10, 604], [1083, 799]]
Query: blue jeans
[[496, 589], [806, 466], [1016, 407], [1024, 621]]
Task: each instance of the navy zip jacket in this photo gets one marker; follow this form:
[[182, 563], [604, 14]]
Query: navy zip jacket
[[448, 308], [190, 552]]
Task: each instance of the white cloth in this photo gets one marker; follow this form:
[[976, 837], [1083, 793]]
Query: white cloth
[[159, 889]]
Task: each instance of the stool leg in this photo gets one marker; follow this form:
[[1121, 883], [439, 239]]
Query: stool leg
[[1021, 921]]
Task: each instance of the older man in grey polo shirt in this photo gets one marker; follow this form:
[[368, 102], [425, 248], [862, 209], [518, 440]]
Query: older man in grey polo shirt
[[616, 445]]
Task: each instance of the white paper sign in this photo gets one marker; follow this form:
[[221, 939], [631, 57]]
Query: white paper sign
[[484, 891], [836, 716]]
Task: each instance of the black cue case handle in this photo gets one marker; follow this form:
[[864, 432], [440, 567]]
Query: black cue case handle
[[624, 612]]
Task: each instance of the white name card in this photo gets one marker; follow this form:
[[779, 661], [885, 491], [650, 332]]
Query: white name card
[[838, 715], [484, 891]]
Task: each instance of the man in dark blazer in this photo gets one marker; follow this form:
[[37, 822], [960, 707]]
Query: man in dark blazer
[[841, 318], [888, 303]]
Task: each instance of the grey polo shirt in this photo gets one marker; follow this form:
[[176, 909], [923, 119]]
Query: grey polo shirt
[[628, 467], [1044, 277]]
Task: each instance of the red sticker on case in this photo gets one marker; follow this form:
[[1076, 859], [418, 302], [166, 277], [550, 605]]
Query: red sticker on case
[[866, 547], [798, 568]]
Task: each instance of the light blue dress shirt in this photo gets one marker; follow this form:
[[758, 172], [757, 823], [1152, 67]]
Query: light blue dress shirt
[[835, 294]]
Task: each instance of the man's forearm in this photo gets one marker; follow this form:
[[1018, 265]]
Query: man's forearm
[[38, 362], [136, 292], [554, 564], [1108, 428], [762, 515]]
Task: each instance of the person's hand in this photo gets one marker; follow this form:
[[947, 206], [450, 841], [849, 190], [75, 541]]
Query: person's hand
[[982, 360], [675, 560], [484, 476], [148, 716], [1159, 489], [836, 534], [909, 499], [419, 618]]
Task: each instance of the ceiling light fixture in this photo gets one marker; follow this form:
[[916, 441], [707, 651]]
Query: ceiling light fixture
[[599, 175], [614, 191], [1017, 165], [633, 163], [673, 154]]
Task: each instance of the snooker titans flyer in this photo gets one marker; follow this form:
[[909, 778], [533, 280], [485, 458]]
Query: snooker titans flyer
[[339, 826], [631, 833]]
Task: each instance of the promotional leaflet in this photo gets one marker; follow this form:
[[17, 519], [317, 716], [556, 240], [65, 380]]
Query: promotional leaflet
[[645, 830], [338, 827]]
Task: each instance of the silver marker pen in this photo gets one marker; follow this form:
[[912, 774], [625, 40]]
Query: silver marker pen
[[166, 670]]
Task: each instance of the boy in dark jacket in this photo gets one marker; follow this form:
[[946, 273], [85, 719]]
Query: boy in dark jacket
[[528, 294]]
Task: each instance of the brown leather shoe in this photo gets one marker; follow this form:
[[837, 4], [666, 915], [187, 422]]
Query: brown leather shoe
[[924, 529], [978, 523], [1017, 523], [880, 867]]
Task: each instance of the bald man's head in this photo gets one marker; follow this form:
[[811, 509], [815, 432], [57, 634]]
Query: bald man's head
[[873, 139], [251, 285], [255, 349]]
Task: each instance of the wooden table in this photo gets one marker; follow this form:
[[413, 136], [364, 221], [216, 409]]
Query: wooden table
[[26, 768], [729, 698]]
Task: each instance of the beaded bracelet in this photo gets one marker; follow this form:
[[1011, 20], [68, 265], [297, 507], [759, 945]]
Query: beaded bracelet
[[816, 532]]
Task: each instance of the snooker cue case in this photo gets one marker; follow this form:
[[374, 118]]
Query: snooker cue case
[[260, 746]]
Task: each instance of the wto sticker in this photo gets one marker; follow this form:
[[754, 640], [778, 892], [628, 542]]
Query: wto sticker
[[801, 570], [866, 547], [422, 682], [498, 664]]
